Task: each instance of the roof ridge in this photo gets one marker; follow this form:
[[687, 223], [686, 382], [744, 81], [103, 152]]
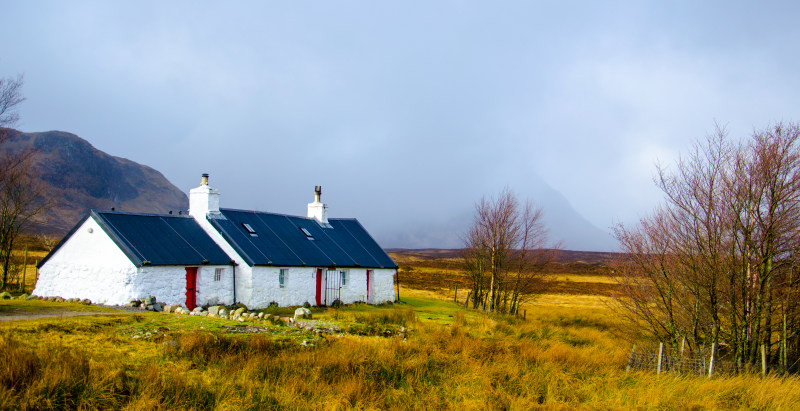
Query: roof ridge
[[141, 214]]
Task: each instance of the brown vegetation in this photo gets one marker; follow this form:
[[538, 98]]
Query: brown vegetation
[[717, 265]]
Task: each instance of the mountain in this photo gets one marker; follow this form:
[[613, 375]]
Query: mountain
[[566, 226], [79, 177]]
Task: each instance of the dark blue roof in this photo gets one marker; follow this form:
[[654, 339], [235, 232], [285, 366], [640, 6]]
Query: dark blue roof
[[161, 239], [280, 240]]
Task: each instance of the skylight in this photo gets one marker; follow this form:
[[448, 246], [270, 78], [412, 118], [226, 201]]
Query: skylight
[[250, 230], [307, 233]]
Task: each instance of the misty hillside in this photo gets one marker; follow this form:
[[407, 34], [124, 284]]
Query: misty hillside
[[79, 177]]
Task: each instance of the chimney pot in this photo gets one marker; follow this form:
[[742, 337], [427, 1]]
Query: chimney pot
[[317, 210], [204, 179]]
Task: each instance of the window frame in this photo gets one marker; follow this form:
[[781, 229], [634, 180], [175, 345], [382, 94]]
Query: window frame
[[282, 274]]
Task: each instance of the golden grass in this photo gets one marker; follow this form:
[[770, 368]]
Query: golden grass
[[565, 355]]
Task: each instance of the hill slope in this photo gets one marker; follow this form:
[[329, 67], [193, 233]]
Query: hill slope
[[79, 177]]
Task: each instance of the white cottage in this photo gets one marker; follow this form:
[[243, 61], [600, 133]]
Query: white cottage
[[219, 256]]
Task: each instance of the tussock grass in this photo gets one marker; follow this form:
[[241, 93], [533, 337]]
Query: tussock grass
[[560, 357]]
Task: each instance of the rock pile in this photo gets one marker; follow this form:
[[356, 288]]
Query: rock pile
[[236, 313], [147, 303]]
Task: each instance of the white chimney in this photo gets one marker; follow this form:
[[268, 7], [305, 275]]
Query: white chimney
[[203, 200], [317, 210]]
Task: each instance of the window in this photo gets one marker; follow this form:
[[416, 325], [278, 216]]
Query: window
[[282, 277], [250, 230], [218, 274], [307, 233], [343, 277]]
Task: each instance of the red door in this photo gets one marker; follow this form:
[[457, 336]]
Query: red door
[[191, 283], [369, 274], [319, 286]]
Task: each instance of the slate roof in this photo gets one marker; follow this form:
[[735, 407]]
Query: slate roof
[[156, 239], [279, 240]]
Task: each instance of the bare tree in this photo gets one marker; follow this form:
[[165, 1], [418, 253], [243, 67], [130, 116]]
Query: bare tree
[[717, 265], [503, 249], [21, 198]]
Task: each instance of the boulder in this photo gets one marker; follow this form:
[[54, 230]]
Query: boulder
[[223, 313], [157, 307], [86, 301], [214, 309], [23, 297], [5, 295], [31, 297], [302, 313], [239, 311]]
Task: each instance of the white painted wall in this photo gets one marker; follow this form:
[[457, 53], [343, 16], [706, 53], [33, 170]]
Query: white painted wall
[[89, 265], [381, 285], [212, 292], [301, 286], [168, 285]]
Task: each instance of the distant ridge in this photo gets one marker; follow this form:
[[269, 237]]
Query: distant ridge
[[562, 256], [79, 177]]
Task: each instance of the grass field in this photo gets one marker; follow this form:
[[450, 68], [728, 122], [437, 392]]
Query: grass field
[[424, 353]]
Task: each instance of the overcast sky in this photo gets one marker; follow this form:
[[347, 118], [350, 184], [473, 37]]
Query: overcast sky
[[406, 112]]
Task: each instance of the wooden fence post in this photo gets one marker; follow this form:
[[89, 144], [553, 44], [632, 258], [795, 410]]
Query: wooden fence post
[[24, 267], [660, 355], [630, 359], [683, 345], [455, 298]]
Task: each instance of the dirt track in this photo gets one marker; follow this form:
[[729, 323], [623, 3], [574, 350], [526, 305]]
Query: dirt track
[[21, 315]]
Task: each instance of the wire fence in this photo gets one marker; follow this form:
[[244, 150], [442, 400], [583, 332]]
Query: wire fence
[[660, 359]]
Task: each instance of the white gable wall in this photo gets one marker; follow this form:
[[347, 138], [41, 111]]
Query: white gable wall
[[91, 265], [88, 265]]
